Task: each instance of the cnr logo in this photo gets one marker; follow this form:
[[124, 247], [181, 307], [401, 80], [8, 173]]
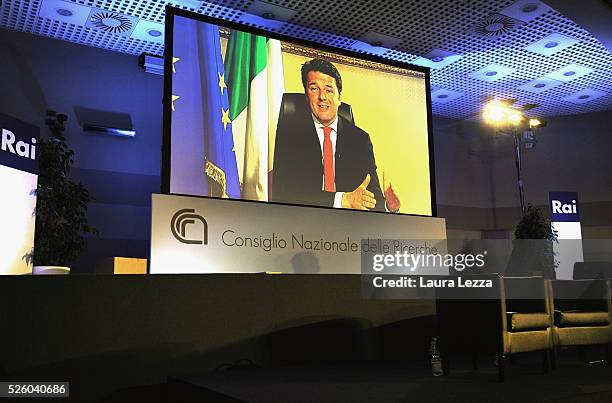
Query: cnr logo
[[560, 208], [178, 226]]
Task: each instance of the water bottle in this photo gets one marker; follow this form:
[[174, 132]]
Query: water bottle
[[436, 361]]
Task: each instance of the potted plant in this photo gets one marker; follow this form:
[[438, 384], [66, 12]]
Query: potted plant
[[533, 253], [61, 204]]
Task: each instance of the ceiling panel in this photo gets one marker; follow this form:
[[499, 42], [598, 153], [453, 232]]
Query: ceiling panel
[[477, 34]]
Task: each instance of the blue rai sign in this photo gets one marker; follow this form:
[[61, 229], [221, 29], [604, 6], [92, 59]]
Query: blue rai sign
[[563, 206]]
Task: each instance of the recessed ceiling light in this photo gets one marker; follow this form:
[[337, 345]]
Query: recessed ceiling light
[[539, 85], [584, 96], [436, 59], [570, 72], [492, 72], [275, 16], [525, 10], [376, 43], [64, 12], [551, 44], [529, 8], [148, 31], [443, 96]]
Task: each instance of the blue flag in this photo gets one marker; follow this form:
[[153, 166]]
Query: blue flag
[[201, 109]]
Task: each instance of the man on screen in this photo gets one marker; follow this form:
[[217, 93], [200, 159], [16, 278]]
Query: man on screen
[[323, 159]]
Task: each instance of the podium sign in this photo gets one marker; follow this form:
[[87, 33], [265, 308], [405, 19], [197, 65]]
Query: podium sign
[[207, 235], [18, 179]]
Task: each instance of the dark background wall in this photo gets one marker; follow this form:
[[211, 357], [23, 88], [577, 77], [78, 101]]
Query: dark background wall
[[101, 87], [475, 169]]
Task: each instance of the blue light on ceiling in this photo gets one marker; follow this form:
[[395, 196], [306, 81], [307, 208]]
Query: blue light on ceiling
[[437, 59], [525, 10], [149, 31], [551, 44], [257, 21], [492, 72], [569, 73], [369, 48], [584, 96], [376, 39], [268, 11], [540, 85], [443, 96], [63, 11]]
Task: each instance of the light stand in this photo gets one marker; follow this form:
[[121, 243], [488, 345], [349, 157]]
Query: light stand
[[517, 146], [502, 115]]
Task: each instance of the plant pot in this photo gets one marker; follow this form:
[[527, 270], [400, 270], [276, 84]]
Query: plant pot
[[42, 270]]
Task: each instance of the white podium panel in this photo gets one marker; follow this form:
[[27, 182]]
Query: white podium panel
[[207, 235], [18, 180]]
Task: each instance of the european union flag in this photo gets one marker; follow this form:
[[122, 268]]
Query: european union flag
[[202, 108]]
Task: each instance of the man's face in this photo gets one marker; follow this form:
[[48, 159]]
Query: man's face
[[323, 96]]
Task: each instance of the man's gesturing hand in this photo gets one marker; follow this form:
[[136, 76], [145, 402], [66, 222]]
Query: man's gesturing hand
[[392, 199], [360, 198]]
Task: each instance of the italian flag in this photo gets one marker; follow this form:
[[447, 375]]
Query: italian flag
[[255, 81]]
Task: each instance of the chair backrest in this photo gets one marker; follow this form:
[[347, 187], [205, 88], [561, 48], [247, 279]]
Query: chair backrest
[[295, 103], [526, 294], [586, 270], [581, 295]]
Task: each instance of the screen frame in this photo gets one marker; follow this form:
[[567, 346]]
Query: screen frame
[[172, 12]]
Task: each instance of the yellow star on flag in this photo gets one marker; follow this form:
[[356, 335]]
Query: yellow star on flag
[[174, 98], [225, 118], [174, 60], [222, 82]]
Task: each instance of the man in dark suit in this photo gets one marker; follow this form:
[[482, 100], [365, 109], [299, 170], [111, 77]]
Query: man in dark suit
[[322, 159]]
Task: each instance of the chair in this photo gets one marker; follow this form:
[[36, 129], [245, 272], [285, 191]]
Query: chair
[[586, 270], [294, 103], [581, 314], [512, 317]]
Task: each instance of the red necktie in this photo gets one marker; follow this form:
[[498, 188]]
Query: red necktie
[[328, 161]]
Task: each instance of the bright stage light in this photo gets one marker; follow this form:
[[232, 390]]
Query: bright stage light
[[514, 116], [498, 113], [495, 112], [534, 122]]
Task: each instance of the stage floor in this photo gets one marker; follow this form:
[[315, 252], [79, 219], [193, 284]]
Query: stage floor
[[571, 382]]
